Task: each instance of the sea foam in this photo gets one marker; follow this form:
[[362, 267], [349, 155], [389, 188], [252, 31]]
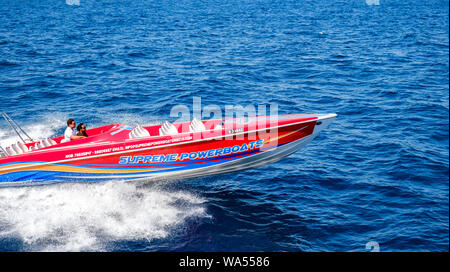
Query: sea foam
[[89, 217]]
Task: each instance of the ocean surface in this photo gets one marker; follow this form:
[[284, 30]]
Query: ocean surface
[[379, 175]]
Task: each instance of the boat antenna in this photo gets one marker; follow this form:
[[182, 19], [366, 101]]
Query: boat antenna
[[15, 127]]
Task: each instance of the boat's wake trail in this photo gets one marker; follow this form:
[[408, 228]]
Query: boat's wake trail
[[84, 217]]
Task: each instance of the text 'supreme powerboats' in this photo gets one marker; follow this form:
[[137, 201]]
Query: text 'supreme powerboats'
[[187, 149]]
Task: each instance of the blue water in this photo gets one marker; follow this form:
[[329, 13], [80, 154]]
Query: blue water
[[379, 173]]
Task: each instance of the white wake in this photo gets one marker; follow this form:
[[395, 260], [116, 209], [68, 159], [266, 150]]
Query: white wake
[[89, 217]]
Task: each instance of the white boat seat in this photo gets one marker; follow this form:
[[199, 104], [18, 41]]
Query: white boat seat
[[167, 129], [38, 145], [49, 141], [10, 151], [45, 143], [143, 131], [138, 132], [23, 147], [196, 126], [16, 149]]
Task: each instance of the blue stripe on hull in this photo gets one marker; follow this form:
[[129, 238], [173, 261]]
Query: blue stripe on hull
[[59, 176]]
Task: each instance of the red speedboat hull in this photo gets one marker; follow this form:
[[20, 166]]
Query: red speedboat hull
[[111, 153]]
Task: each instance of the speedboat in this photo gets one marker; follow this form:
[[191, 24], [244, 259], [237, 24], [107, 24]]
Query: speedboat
[[168, 150]]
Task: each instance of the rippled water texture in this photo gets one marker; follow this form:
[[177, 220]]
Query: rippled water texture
[[379, 173]]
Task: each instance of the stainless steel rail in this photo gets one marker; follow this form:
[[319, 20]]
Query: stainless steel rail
[[17, 129]]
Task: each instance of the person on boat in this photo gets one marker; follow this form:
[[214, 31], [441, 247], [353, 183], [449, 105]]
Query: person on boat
[[81, 130], [70, 133]]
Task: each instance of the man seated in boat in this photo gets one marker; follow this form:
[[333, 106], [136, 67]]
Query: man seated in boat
[[70, 133]]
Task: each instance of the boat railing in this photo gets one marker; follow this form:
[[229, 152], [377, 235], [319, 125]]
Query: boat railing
[[18, 130], [3, 152], [16, 127]]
